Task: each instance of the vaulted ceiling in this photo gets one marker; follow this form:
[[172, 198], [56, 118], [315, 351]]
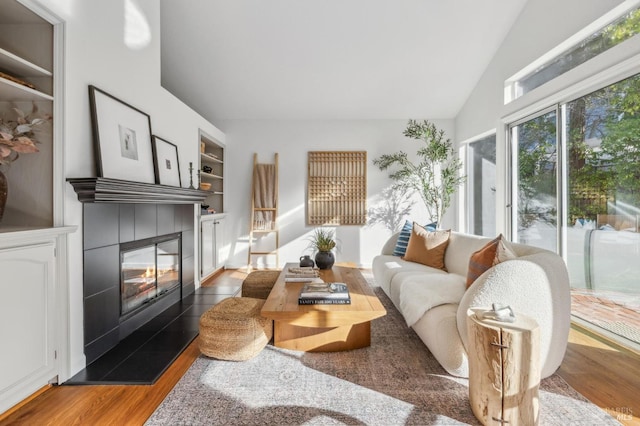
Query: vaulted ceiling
[[329, 59]]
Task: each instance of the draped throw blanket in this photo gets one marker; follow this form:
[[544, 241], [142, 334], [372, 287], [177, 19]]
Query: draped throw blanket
[[264, 195]]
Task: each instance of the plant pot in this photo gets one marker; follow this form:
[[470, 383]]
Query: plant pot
[[325, 259], [4, 192]]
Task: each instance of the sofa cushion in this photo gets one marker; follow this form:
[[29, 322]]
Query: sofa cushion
[[427, 247], [403, 238]]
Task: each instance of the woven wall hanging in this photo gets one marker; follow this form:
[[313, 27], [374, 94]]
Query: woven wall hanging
[[337, 188]]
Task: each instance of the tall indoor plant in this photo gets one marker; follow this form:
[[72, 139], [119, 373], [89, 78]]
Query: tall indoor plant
[[436, 175]]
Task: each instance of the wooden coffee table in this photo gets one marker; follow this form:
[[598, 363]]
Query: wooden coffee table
[[323, 328]]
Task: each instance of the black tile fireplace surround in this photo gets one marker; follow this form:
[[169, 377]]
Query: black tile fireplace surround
[[106, 226]]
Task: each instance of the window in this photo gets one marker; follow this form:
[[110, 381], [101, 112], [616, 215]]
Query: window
[[481, 184], [574, 53]]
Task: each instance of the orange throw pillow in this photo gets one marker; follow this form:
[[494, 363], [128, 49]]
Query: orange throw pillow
[[427, 247], [494, 252]]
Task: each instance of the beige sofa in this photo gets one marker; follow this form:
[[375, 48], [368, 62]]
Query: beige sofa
[[434, 302]]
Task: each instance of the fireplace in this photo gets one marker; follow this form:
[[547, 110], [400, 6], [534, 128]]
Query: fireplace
[[119, 299], [149, 269]]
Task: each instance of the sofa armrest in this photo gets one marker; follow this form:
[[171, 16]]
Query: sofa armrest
[[536, 285], [388, 247]]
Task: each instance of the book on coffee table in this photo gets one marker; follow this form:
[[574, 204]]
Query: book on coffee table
[[302, 274], [324, 294]]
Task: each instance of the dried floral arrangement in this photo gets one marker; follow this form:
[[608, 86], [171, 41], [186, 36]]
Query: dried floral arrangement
[[17, 135]]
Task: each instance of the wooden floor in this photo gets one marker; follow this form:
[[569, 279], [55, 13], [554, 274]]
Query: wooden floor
[[605, 375]]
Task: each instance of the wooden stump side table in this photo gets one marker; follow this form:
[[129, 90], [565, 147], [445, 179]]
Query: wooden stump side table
[[504, 369]]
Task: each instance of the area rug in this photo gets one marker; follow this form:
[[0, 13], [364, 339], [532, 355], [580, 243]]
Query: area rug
[[395, 381]]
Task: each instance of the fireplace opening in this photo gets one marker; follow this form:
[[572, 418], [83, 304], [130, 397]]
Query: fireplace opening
[[149, 269]]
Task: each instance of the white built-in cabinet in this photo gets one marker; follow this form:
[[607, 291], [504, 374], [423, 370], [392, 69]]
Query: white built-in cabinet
[[33, 312], [213, 250], [34, 291]]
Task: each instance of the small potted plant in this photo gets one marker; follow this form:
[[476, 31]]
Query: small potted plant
[[322, 242]]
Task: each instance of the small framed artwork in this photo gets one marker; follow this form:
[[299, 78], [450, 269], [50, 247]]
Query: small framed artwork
[[165, 157], [122, 138]]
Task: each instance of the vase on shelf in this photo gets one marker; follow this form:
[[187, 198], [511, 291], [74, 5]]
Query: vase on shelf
[[325, 259], [4, 192]]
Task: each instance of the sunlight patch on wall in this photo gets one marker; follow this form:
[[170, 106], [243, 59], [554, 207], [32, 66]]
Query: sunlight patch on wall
[[137, 32]]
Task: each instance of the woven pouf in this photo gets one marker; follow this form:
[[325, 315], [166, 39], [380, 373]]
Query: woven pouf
[[258, 284], [233, 329]]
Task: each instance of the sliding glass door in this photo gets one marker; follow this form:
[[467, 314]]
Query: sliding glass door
[[535, 165], [603, 242], [595, 165]]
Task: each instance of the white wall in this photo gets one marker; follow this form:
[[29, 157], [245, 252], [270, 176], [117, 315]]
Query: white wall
[[292, 140], [114, 45]]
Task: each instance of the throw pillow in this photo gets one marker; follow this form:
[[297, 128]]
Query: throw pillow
[[505, 252], [494, 252], [482, 260], [427, 247], [403, 238]]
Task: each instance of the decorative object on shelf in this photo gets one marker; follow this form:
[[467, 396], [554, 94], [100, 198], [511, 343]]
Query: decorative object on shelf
[[322, 241], [17, 80], [202, 145], [205, 186], [306, 261], [122, 135], [191, 176], [337, 188], [4, 192], [207, 169], [436, 177], [17, 136], [165, 157]]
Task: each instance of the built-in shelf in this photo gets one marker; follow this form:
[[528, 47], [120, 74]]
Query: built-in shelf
[[12, 91], [105, 190], [211, 175], [210, 158], [18, 66]]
